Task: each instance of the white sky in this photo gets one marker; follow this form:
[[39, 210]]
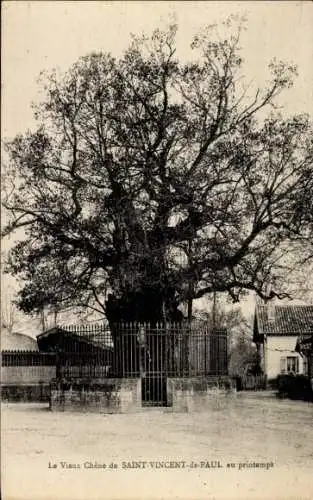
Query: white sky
[[40, 35]]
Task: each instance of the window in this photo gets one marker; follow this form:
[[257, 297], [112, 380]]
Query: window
[[283, 362], [292, 364], [305, 366], [289, 364]]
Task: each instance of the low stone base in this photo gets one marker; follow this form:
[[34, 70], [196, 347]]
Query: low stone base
[[103, 396], [197, 393], [124, 395], [25, 393]]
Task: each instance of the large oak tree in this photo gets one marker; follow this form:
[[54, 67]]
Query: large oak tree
[[159, 180]]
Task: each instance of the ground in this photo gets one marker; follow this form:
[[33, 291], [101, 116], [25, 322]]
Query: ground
[[268, 441]]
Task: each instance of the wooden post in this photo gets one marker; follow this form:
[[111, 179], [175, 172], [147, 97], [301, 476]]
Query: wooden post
[[165, 340], [142, 343], [42, 319], [265, 362], [190, 284], [214, 311]]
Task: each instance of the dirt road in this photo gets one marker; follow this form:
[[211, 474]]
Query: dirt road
[[244, 446]]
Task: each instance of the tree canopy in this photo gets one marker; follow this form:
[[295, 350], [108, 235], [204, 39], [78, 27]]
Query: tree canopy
[[158, 180]]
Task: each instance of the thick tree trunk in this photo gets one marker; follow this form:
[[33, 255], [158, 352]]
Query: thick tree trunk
[[148, 307]]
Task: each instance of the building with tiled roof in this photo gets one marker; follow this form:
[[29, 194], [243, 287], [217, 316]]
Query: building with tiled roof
[[277, 329]]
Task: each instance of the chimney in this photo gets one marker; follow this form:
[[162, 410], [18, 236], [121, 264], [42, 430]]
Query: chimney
[[270, 305], [271, 313]]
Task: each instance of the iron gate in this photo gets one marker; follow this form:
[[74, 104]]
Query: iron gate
[[153, 367]]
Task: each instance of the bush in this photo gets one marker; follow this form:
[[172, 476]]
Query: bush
[[294, 387]]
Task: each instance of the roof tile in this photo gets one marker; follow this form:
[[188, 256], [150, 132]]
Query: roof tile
[[286, 320]]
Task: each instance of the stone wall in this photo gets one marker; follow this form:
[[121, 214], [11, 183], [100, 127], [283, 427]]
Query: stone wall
[[22, 393], [103, 395], [22, 381], [196, 393], [27, 375], [124, 395]]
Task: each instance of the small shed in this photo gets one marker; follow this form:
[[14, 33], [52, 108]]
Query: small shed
[[80, 351]]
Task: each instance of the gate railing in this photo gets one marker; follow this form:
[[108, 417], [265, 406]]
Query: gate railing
[[141, 350], [253, 382]]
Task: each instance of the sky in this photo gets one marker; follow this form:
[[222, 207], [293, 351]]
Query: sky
[[40, 35]]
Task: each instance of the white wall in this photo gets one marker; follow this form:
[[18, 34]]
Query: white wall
[[275, 349], [23, 375]]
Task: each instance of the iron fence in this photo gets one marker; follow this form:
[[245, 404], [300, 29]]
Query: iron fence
[[142, 350], [27, 358], [19, 368]]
